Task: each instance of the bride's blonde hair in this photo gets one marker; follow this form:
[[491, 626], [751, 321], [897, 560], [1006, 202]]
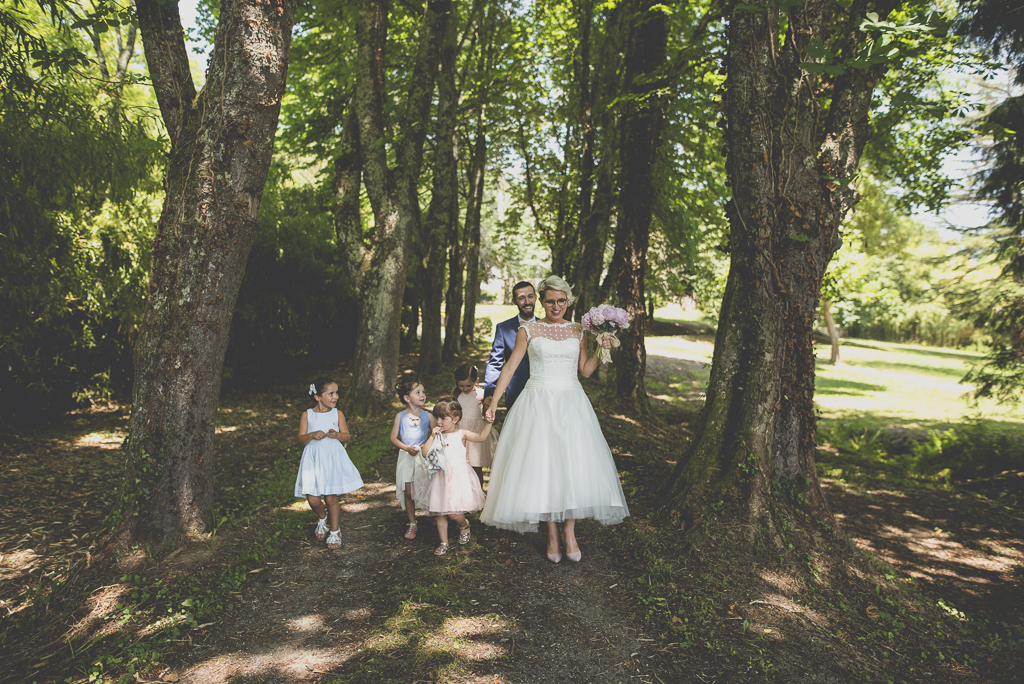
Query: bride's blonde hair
[[555, 283]]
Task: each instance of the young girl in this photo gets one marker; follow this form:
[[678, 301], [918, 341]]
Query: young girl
[[455, 490], [411, 429], [325, 470], [471, 398]]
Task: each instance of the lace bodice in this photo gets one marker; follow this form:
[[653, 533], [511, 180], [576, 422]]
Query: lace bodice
[[554, 349]]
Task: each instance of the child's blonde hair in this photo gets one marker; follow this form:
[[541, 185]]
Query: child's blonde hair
[[466, 371]]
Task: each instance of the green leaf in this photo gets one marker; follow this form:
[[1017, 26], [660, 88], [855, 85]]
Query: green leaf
[[798, 237]]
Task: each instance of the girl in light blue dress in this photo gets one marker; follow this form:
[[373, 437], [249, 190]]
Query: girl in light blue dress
[[325, 470], [409, 431]]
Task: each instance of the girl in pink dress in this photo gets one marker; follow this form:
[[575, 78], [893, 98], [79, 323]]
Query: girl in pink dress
[[471, 399], [454, 490]]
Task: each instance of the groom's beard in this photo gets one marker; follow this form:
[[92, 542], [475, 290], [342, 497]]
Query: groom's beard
[[526, 312]]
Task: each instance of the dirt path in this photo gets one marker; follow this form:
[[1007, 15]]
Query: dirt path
[[385, 609], [319, 615]]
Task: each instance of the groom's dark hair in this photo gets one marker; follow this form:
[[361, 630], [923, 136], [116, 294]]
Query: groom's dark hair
[[520, 285]]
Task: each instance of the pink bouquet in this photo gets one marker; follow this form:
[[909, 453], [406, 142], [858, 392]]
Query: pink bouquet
[[603, 320]]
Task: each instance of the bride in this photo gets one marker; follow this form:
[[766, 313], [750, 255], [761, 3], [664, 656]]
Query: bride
[[552, 463]]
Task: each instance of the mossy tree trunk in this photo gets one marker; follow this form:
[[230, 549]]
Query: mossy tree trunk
[[793, 139], [377, 263], [222, 140]]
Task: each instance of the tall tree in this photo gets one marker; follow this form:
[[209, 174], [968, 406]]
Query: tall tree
[[641, 137], [222, 139], [798, 96], [377, 263], [443, 211], [1001, 307]]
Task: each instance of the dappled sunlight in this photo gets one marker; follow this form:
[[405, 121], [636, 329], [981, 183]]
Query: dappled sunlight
[[787, 581], [465, 637], [101, 603], [948, 541], [273, 663], [306, 623], [101, 440]]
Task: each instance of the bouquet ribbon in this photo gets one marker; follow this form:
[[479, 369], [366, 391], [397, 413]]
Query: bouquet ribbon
[[606, 354]]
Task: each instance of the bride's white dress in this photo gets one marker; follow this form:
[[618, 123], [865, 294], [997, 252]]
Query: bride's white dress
[[552, 461]]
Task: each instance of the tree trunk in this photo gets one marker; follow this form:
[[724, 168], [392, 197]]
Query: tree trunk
[[756, 434], [641, 135], [378, 269], [596, 222], [443, 213], [453, 296], [221, 144], [833, 335], [471, 230]]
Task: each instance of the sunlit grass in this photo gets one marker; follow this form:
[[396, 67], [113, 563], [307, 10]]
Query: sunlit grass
[[912, 385]]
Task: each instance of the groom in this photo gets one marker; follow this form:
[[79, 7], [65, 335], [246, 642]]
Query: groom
[[525, 297]]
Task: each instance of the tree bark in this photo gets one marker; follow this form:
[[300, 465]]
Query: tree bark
[[641, 136], [221, 144], [377, 265], [785, 154], [595, 220], [443, 212], [471, 229]]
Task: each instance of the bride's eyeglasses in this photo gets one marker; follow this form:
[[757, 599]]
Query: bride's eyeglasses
[[552, 302]]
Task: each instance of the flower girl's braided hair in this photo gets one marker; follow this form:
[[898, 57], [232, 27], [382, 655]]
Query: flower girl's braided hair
[[317, 387], [555, 283], [448, 406], [466, 371], [405, 386]]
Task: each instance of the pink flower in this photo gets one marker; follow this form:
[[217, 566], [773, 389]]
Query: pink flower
[[605, 318]]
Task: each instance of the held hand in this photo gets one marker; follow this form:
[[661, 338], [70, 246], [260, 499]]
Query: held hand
[[412, 450], [332, 433], [489, 415], [318, 435], [605, 342]]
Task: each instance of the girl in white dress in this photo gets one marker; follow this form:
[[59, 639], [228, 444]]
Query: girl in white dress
[[471, 399], [409, 431], [552, 463], [453, 491], [325, 469]]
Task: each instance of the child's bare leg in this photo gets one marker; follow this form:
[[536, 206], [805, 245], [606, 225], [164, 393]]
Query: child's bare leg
[[459, 518], [442, 527], [480, 475], [333, 512], [317, 505], [410, 505]]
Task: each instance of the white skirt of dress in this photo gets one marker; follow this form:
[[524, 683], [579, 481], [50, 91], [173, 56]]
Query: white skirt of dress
[[552, 462], [326, 469], [404, 468]]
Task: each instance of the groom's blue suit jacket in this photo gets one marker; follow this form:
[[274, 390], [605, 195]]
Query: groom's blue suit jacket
[[501, 350]]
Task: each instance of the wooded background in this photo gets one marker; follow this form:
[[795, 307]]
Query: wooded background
[[345, 189]]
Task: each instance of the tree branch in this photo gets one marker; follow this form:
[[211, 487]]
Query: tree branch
[[167, 58]]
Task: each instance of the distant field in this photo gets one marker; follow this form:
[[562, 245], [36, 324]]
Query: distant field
[[877, 382]]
